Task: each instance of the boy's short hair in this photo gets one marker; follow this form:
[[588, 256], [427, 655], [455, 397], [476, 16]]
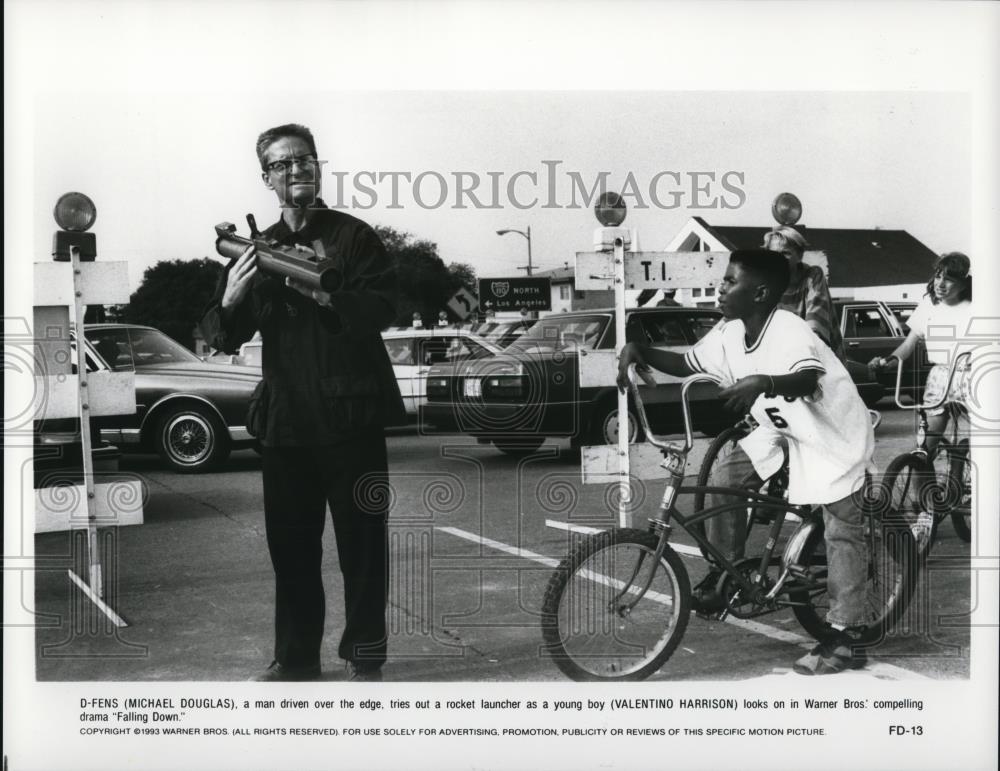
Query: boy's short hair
[[269, 137], [768, 266]]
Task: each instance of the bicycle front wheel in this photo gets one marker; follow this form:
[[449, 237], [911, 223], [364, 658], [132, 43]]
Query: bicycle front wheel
[[892, 572], [599, 621]]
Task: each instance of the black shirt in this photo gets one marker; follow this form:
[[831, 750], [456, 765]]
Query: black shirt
[[328, 377]]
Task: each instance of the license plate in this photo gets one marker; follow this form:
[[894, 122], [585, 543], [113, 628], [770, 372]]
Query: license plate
[[474, 387]]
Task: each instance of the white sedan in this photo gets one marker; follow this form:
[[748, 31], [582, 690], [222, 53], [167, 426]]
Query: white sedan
[[412, 351]]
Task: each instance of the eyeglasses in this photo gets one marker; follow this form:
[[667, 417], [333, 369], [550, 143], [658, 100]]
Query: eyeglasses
[[282, 166]]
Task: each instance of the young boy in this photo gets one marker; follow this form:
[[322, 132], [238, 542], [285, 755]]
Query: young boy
[[772, 365]]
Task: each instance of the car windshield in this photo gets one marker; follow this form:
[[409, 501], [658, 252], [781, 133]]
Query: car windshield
[[150, 346], [559, 333]]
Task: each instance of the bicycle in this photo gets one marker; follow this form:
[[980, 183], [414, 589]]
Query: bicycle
[[921, 495], [618, 604], [724, 444]]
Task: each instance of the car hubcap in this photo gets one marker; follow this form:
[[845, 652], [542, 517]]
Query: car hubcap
[[188, 439]]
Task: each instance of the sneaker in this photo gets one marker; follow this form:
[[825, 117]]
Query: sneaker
[[837, 654], [279, 673], [705, 597], [364, 673]]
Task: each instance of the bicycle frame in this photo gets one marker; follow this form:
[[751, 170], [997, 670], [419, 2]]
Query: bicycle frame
[[675, 461], [921, 409]]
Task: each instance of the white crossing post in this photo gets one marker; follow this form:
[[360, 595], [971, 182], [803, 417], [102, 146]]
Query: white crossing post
[[624, 483], [62, 290]]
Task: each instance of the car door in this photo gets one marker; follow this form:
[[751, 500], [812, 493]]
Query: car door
[[404, 366], [868, 332]]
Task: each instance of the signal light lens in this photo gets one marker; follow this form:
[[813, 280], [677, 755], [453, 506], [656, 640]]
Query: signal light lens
[[786, 209], [610, 209], [75, 212]]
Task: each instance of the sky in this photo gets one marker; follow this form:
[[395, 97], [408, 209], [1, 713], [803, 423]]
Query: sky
[[875, 114], [165, 168], [152, 109]]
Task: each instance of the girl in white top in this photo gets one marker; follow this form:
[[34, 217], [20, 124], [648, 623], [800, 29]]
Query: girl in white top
[[941, 320]]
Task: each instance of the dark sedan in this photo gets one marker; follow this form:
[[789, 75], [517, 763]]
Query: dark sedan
[[189, 411], [534, 389], [874, 328]]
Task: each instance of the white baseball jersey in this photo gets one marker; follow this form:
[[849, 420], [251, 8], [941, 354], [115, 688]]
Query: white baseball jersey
[[829, 433]]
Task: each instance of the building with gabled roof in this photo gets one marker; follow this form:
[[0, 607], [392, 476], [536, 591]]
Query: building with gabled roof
[[862, 263]]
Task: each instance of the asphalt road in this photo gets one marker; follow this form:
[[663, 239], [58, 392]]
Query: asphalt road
[[474, 537]]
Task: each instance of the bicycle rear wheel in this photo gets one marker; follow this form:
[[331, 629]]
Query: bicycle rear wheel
[[721, 447], [960, 485], [893, 569], [595, 624], [911, 499]]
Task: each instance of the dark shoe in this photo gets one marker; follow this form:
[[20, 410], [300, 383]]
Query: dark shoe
[[278, 673], [839, 653], [364, 673], [705, 597]]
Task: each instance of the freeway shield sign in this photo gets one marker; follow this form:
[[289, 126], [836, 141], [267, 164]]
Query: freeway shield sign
[[513, 294]]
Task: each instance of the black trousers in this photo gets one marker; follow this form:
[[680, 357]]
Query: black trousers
[[299, 482]]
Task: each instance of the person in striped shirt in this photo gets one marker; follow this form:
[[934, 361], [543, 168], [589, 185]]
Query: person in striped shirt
[[808, 295]]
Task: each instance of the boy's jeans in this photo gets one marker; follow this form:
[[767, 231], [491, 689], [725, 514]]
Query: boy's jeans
[[846, 552]]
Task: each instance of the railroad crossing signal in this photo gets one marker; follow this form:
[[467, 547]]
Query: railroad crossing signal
[[463, 303]]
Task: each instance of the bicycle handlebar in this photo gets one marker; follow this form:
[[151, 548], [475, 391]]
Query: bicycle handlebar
[[661, 441], [944, 395]]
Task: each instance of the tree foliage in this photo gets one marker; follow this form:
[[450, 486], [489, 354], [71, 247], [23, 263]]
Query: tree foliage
[[425, 282], [172, 297]]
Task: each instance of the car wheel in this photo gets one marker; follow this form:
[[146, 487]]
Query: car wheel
[[191, 440], [604, 425], [519, 448]]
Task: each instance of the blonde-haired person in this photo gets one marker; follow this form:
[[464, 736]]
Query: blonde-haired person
[[808, 294], [947, 304]]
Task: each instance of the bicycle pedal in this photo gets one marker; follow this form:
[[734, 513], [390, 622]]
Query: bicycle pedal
[[799, 571]]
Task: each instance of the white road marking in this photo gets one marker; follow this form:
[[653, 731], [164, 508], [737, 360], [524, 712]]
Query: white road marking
[[483, 540], [680, 548], [101, 605], [874, 668]]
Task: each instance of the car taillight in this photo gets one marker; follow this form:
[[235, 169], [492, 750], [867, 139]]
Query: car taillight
[[505, 386], [437, 385]]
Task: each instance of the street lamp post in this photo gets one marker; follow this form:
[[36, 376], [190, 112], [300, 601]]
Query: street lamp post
[[527, 234]]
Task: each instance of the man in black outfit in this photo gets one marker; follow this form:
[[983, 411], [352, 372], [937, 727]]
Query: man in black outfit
[[328, 390]]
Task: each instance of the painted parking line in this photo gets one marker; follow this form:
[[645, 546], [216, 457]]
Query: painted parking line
[[499, 546], [680, 548], [889, 671]]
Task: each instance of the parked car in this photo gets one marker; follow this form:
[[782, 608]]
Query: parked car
[[531, 390], [190, 411], [412, 351], [58, 448], [503, 333], [875, 328]]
